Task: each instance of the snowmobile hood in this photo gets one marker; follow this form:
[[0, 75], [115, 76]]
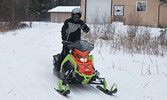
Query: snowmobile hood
[[81, 45]]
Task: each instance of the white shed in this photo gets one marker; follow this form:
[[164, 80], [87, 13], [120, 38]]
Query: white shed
[[60, 13]]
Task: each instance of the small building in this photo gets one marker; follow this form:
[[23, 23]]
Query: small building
[[60, 13], [131, 12]]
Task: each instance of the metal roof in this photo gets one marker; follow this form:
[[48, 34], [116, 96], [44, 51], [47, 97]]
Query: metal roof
[[63, 9]]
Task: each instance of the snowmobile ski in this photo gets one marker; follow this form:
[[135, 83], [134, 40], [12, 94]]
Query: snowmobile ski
[[61, 90], [105, 90]]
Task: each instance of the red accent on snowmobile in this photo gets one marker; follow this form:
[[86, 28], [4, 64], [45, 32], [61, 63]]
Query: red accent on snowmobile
[[82, 54], [86, 66]]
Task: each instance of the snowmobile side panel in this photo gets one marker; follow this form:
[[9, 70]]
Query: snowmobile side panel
[[91, 58], [70, 58]]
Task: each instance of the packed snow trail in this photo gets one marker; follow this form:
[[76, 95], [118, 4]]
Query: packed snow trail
[[26, 69]]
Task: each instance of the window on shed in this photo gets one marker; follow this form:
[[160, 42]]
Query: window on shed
[[141, 6]]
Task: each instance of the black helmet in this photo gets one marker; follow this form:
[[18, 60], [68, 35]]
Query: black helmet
[[76, 11]]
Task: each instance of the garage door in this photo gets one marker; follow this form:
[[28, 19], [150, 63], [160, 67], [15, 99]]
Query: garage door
[[98, 11]]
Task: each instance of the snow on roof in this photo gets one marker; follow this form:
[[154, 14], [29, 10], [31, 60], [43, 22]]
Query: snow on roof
[[63, 9]]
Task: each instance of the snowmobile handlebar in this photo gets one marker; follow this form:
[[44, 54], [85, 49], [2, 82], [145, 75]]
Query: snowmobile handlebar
[[66, 42]]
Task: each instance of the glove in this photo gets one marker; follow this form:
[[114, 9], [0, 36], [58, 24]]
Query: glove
[[85, 28], [81, 22]]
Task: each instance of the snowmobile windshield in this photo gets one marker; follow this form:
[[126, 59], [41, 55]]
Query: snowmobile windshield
[[81, 45]]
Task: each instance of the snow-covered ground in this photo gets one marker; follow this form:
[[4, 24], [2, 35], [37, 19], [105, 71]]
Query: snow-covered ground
[[26, 69]]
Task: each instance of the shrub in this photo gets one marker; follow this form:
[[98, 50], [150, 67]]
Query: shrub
[[140, 42]]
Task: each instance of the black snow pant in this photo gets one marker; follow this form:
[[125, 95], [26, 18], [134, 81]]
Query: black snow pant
[[63, 54]]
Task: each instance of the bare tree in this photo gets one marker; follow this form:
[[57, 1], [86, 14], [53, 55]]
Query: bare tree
[[13, 12]]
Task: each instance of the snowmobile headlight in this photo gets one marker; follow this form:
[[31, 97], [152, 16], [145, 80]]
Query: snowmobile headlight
[[83, 59], [86, 59]]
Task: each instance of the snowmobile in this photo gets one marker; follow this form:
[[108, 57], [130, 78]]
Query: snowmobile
[[78, 67]]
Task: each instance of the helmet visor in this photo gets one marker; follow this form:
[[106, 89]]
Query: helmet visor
[[76, 15]]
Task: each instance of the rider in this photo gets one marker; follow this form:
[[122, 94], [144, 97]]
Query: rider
[[71, 31]]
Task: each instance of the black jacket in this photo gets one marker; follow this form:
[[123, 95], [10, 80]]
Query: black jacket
[[71, 30]]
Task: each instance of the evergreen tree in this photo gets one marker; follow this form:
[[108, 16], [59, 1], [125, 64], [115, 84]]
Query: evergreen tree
[[68, 2], [39, 8]]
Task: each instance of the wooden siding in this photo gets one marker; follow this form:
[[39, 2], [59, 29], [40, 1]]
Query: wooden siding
[[59, 17], [150, 17], [131, 16]]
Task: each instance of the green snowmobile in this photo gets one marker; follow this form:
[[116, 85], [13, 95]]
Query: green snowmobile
[[78, 68]]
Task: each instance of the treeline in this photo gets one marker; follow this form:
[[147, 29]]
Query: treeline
[[68, 2], [12, 12], [15, 11]]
